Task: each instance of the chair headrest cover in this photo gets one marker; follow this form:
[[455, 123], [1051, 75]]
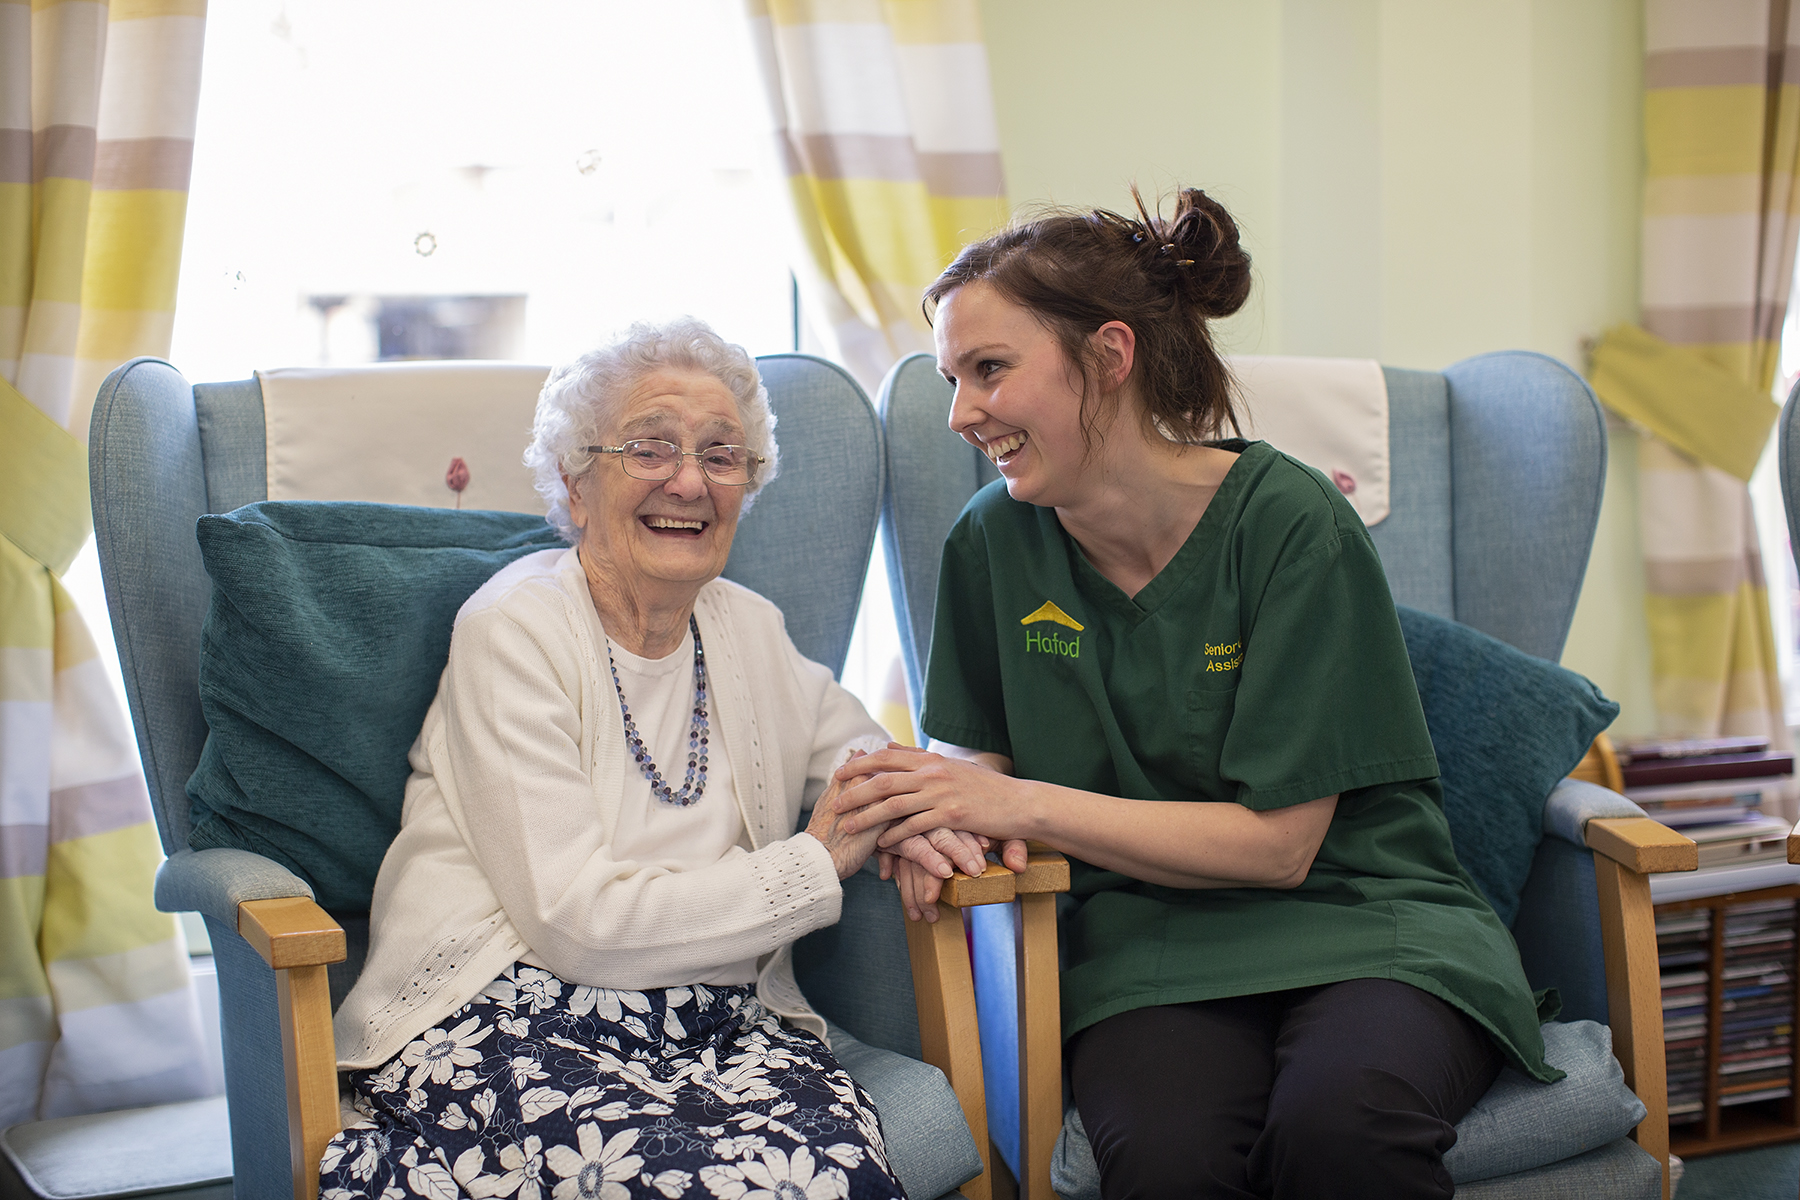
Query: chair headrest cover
[[1330, 413], [389, 433]]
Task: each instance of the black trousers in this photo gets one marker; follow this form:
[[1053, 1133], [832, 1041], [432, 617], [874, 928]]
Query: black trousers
[[1352, 1089]]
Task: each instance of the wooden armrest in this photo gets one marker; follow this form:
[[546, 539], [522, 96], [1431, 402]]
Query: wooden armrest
[[1045, 871], [996, 885], [1642, 845], [1794, 845], [291, 932], [298, 938]]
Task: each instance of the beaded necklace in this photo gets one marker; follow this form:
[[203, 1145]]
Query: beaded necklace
[[695, 786]]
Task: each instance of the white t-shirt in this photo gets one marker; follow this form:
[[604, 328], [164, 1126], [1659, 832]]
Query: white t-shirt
[[660, 694]]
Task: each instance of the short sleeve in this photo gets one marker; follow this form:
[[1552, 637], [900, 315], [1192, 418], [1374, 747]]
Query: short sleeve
[[1326, 703], [964, 703]]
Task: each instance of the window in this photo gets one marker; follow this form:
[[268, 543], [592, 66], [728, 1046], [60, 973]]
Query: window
[[464, 180], [461, 180]]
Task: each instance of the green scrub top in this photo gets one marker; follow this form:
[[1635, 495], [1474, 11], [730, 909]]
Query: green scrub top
[[1264, 666]]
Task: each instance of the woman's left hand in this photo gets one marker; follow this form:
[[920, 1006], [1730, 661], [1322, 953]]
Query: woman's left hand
[[915, 791], [941, 853], [919, 890]]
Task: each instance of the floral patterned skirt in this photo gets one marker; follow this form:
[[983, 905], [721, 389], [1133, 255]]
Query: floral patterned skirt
[[541, 1088]]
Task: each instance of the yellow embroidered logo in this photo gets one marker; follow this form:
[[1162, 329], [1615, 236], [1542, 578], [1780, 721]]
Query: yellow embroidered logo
[[1049, 642], [1223, 656], [1049, 612]]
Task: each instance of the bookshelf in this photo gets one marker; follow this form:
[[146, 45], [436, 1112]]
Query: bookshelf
[[1728, 970], [1727, 936]]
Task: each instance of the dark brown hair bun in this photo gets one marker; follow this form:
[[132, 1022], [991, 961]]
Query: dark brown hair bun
[[1201, 249], [1165, 277]]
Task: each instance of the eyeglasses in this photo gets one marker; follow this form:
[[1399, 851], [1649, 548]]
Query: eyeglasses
[[652, 458]]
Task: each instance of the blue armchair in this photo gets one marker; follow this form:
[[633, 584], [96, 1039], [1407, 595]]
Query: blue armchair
[[1497, 467], [165, 452]]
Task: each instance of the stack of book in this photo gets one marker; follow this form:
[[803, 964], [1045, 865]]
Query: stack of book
[[1684, 951], [1756, 1030], [1712, 789]]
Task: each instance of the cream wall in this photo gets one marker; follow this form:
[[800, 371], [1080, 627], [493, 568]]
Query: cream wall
[[1417, 181]]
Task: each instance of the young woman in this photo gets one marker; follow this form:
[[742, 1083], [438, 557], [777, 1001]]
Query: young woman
[[1172, 655]]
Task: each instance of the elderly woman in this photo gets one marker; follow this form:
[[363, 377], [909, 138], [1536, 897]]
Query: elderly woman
[[579, 978]]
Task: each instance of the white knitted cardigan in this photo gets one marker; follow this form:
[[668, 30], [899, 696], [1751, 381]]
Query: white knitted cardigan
[[503, 848]]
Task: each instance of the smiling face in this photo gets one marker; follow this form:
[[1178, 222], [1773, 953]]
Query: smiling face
[[1018, 397], [661, 535]]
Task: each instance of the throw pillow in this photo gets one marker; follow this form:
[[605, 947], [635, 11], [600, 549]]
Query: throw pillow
[[328, 629], [1507, 727]]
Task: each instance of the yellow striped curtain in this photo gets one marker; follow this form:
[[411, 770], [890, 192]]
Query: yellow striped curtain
[[1722, 139], [885, 123], [97, 106]]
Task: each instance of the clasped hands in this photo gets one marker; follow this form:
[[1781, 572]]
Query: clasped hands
[[927, 815]]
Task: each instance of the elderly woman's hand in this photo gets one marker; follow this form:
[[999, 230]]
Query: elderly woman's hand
[[919, 890], [849, 851], [921, 885], [920, 876], [941, 852]]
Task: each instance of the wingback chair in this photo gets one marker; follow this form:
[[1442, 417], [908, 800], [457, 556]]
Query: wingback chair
[[1497, 468], [1788, 462], [164, 452]]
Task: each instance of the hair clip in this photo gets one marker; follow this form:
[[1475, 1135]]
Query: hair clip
[[1167, 247], [1184, 262]]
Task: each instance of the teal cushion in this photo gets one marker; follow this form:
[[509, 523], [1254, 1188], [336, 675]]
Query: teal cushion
[[1506, 727], [328, 628]]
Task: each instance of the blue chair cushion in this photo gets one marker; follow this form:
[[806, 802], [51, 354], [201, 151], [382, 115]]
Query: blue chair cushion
[[1519, 1125], [928, 1143], [178, 1151], [1507, 727], [349, 606], [1619, 1170]]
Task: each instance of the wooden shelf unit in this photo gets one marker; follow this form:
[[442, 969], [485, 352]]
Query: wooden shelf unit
[[1759, 1123]]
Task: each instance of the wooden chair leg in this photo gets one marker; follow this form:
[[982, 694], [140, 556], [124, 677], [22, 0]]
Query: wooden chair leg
[[310, 1059], [949, 1036], [1040, 1042], [1634, 998], [943, 987], [297, 939]]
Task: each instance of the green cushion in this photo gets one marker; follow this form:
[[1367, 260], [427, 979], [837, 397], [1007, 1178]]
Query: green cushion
[[1507, 727], [328, 629]]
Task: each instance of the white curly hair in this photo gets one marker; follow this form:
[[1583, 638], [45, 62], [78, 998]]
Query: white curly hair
[[582, 398]]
